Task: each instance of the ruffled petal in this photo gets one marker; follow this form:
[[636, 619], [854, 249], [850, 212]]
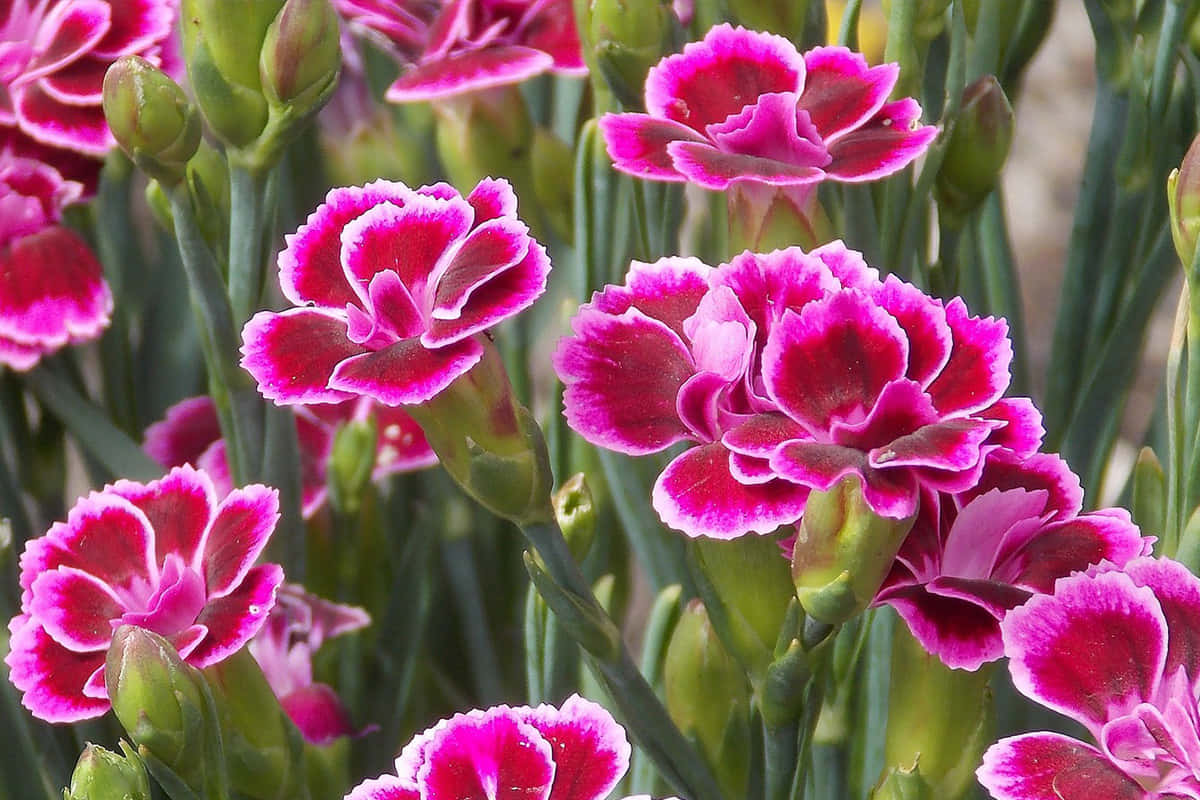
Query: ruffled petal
[[923, 320], [889, 492], [184, 433], [51, 677], [705, 165], [978, 370], [590, 750], [637, 144], [1071, 545], [668, 290], [385, 787], [179, 507], [772, 128], [622, 376], [1050, 766], [490, 754], [1094, 649], [698, 495], [240, 530], [405, 372], [232, 620], [468, 71], [963, 634], [79, 128], [135, 26], [293, 354], [1178, 594], [889, 142], [67, 32], [75, 609], [841, 92], [487, 251]]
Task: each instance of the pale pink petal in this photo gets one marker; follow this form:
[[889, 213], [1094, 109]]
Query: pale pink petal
[[293, 354], [772, 128], [406, 372]]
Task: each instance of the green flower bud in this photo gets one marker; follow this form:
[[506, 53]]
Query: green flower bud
[[900, 783], [489, 443], [552, 159], [101, 774], [843, 552], [1149, 504], [208, 187], [161, 703], [222, 40], [627, 38], [351, 464], [584, 622], [708, 698], [576, 514], [487, 133], [301, 57], [263, 749], [930, 17], [1183, 199], [150, 117], [748, 592], [785, 17], [977, 149]]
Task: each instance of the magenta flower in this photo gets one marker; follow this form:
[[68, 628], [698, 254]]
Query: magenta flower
[[747, 106], [972, 557], [53, 56], [191, 434], [791, 370], [168, 556], [52, 289], [576, 752], [395, 289], [1118, 652], [295, 629], [459, 46]]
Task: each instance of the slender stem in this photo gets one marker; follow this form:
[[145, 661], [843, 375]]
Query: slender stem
[[640, 706], [781, 748], [248, 212], [1175, 431], [458, 557]]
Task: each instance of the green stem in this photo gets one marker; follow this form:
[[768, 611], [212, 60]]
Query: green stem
[[1175, 432], [458, 557], [643, 711], [781, 748], [248, 235], [1002, 283]]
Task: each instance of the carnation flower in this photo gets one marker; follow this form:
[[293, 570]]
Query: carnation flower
[[190, 433], [791, 371], [52, 289], [168, 556], [1116, 651], [395, 289], [294, 631], [972, 557], [574, 752]]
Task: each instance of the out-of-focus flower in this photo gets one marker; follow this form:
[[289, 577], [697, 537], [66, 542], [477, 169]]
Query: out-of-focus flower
[[295, 629], [747, 106], [971, 557], [190, 433], [791, 370], [575, 752], [457, 46], [168, 556], [1116, 651], [53, 56], [52, 289], [395, 288]]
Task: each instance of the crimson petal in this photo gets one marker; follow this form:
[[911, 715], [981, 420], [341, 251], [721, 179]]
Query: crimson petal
[[52, 677], [406, 372], [293, 354], [468, 72], [1050, 766]]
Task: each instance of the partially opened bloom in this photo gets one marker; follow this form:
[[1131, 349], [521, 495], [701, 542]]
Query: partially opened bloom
[[791, 370], [458, 46], [190, 433], [395, 289], [170, 556], [574, 752], [743, 106], [971, 557], [1119, 653], [53, 56], [294, 631], [52, 289]]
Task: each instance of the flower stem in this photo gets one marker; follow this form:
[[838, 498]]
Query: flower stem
[[248, 234]]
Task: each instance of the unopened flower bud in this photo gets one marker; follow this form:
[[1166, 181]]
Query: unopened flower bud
[[351, 463], [101, 774], [930, 17], [487, 133], [785, 17], [843, 552], [1148, 505], [626, 38], [900, 783], [552, 159], [576, 514], [977, 148], [160, 701], [708, 698], [1183, 198], [150, 117], [301, 56]]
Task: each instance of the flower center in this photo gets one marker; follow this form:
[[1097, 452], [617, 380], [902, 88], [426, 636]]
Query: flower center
[[174, 603]]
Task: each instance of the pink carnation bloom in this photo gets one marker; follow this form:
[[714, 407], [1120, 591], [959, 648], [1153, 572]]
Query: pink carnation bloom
[[52, 289], [973, 556], [295, 629], [575, 752], [1119, 653], [191, 434], [458, 46], [168, 556], [395, 290], [743, 106], [53, 56], [791, 370]]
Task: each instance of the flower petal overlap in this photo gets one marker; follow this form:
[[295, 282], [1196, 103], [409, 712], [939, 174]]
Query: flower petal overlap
[[1116, 652], [170, 556], [395, 290]]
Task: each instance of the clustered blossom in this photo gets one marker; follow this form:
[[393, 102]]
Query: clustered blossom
[[746, 107], [294, 631], [973, 556], [191, 434], [574, 752], [790, 371], [169, 556], [395, 289], [450, 47], [1119, 653], [52, 288]]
